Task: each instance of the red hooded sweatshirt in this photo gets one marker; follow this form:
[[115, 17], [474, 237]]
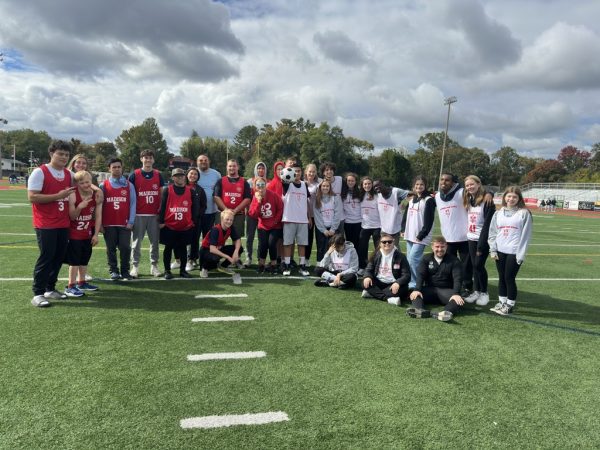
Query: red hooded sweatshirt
[[268, 212], [276, 185]]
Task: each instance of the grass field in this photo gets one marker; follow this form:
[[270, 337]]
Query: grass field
[[110, 370]]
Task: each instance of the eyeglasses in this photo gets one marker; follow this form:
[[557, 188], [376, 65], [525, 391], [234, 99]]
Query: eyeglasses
[[386, 242]]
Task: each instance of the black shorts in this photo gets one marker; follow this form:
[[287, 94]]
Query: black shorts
[[176, 238], [79, 252]]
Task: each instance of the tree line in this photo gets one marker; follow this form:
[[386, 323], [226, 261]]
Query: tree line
[[312, 142]]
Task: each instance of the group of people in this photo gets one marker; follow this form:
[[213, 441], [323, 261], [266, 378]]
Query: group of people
[[195, 215], [548, 205]]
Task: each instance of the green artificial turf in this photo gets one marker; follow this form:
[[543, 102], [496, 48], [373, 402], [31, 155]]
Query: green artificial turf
[[109, 370]]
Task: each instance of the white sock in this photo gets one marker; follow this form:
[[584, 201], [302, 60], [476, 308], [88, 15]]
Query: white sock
[[287, 259], [511, 303], [503, 300], [302, 260]]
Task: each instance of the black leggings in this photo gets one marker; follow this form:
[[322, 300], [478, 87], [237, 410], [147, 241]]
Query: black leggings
[[349, 278], [383, 291], [507, 273], [437, 295], [210, 261], [267, 243], [363, 245], [480, 275], [461, 251], [352, 233]]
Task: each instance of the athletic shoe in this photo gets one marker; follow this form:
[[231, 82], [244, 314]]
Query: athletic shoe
[[87, 287], [134, 272], [465, 292], [175, 265], [74, 292], [184, 274], [204, 273], [226, 270], [473, 297], [55, 295], [360, 272], [115, 276], [248, 262], [261, 268], [40, 301], [189, 266], [417, 313], [285, 269], [168, 275], [154, 270], [504, 310], [444, 316], [484, 299], [394, 301], [497, 307], [237, 278], [303, 271], [88, 277], [126, 276], [343, 285], [240, 265], [365, 294], [321, 283], [293, 264]]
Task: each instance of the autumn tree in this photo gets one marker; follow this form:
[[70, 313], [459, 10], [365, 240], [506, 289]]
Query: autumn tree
[[548, 171], [139, 137], [573, 159]]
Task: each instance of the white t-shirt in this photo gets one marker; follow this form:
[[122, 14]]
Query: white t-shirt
[[385, 273], [35, 181], [370, 214], [352, 210]]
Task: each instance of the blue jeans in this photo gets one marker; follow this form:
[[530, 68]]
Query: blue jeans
[[414, 253]]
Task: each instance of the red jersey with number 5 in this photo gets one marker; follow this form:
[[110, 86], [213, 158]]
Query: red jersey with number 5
[[53, 214], [178, 212], [82, 228], [232, 193], [115, 212], [148, 193]]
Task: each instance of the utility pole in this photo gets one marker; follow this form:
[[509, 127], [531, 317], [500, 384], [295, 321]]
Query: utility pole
[[448, 102], [2, 121]]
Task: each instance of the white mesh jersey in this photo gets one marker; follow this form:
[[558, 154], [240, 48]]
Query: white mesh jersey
[[295, 204], [415, 220], [370, 214], [509, 232], [390, 213], [352, 211], [476, 220], [453, 217]]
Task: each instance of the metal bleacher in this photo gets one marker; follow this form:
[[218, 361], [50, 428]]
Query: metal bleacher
[[588, 192]]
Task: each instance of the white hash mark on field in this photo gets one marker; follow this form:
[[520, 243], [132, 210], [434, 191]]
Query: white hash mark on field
[[230, 355], [231, 420], [222, 319], [221, 296]]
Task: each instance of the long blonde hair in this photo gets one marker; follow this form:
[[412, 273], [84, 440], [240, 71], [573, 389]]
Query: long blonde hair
[[478, 196]]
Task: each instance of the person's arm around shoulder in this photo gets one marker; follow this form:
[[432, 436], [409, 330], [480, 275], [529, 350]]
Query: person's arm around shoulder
[[525, 237]]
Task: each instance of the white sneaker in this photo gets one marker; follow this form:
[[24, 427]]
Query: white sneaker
[[365, 294], [473, 297], [237, 278], [484, 299], [394, 301], [134, 272], [175, 265], [88, 277], [54, 295], [40, 301], [154, 270], [204, 273], [248, 262], [189, 266]]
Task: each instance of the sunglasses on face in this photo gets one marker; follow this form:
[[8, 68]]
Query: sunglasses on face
[[386, 242]]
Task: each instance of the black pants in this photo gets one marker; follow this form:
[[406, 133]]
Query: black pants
[[53, 247], [118, 237], [382, 291], [267, 243], [507, 275], [194, 253], [311, 238], [175, 242], [348, 278], [434, 295], [352, 233], [207, 221], [363, 246], [210, 261], [461, 251], [322, 244], [480, 275]]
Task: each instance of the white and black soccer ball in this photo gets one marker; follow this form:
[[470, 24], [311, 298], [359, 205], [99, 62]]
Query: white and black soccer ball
[[287, 175]]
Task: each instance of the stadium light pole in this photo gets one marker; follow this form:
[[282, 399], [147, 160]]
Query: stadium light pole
[[448, 102], [2, 121]]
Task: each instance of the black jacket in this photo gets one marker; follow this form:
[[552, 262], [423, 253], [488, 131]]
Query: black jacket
[[400, 267], [447, 274]]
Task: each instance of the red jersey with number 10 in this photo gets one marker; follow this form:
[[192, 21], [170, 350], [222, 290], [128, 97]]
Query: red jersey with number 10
[[178, 212], [232, 193], [53, 214], [82, 228], [148, 193], [115, 212]]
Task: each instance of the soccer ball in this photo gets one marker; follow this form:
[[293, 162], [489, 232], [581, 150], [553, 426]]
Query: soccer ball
[[287, 175]]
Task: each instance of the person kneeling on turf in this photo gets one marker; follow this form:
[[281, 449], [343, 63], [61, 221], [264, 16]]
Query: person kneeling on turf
[[387, 273], [439, 279], [214, 248], [339, 265]]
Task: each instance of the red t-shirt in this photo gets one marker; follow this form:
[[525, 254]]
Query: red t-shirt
[[178, 211], [53, 214], [82, 228]]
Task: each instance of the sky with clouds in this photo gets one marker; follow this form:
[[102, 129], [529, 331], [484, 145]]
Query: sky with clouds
[[526, 74]]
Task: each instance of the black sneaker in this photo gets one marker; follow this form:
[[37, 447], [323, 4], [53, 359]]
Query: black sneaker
[[126, 276], [261, 268], [185, 274], [303, 271], [285, 270], [417, 313], [321, 283], [115, 276], [293, 264], [168, 275]]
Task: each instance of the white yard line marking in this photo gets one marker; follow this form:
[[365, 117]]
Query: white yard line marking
[[221, 296], [226, 355], [17, 234], [222, 319], [567, 245], [231, 420]]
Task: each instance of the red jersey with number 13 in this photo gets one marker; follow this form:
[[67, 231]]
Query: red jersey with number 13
[[148, 193], [178, 212], [53, 214], [82, 228], [115, 212]]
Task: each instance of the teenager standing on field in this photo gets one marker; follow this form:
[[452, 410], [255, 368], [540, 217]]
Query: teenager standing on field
[[510, 233], [351, 206], [370, 227], [48, 190]]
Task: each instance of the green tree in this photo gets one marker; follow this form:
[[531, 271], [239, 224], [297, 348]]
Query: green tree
[[192, 147], [244, 143], [595, 159], [25, 141], [391, 167], [505, 166], [139, 137]]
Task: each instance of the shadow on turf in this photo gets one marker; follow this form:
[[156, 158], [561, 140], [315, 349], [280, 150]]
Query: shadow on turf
[[164, 296]]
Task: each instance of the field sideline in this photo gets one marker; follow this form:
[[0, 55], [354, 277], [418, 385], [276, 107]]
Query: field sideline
[[279, 363]]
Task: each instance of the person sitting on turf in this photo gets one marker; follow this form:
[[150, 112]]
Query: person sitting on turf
[[178, 212], [439, 280], [214, 248], [387, 273], [339, 265]]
